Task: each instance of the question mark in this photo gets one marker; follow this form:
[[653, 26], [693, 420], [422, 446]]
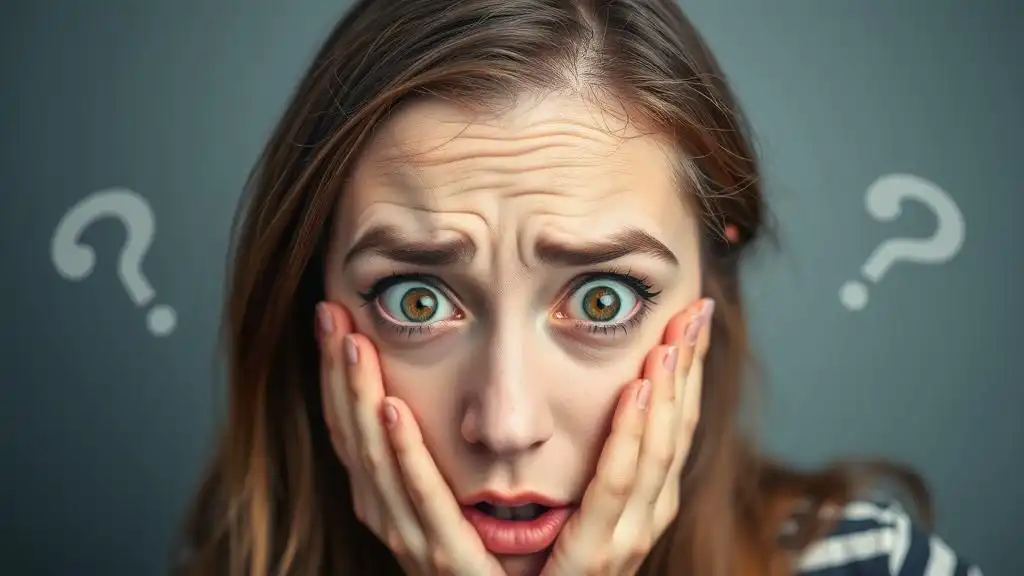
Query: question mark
[[75, 261], [883, 201]]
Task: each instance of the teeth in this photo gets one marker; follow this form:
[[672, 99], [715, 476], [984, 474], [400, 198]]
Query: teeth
[[529, 512], [525, 512]]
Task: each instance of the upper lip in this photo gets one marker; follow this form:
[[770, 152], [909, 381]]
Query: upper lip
[[510, 500]]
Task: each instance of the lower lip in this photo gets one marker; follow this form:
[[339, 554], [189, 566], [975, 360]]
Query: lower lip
[[517, 537]]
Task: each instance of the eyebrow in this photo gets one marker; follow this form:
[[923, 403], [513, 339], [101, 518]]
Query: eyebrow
[[624, 243], [390, 243]]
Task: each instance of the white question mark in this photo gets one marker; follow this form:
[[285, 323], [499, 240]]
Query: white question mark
[[883, 200], [75, 261]]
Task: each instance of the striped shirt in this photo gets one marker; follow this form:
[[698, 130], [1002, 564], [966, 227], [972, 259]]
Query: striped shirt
[[879, 539]]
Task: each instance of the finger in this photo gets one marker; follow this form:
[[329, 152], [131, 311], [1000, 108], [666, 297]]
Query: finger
[[367, 390], [694, 346], [698, 339], [333, 323], [609, 491], [677, 333], [436, 507], [658, 444]]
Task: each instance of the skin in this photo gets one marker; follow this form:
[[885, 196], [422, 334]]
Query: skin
[[511, 379]]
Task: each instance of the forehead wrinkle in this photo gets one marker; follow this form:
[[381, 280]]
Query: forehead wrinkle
[[563, 146], [397, 134], [426, 217], [509, 182]]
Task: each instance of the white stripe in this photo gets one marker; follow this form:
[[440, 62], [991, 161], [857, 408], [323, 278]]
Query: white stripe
[[857, 510], [974, 571], [848, 548], [901, 544], [941, 561], [869, 511]]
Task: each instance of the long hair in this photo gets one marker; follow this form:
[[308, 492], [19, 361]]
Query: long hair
[[276, 499]]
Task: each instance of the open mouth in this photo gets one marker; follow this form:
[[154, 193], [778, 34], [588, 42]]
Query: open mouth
[[518, 529], [524, 513]]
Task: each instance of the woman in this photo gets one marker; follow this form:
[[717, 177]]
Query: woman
[[485, 317]]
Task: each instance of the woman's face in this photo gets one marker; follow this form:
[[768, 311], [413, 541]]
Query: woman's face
[[513, 270]]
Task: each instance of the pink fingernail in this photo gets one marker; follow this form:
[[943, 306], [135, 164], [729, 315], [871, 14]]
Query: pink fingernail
[[643, 396], [351, 351], [699, 321], [671, 357], [324, 320], [390, 414]]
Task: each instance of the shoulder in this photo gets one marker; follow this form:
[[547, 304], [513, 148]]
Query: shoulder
[[879, 539]]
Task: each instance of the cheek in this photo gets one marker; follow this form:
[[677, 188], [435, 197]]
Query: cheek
[[583, 401], [429, 390]]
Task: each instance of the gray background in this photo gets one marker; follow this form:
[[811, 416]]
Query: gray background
[[105, 427]]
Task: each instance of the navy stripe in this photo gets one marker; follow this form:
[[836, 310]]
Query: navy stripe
[[917, 554], [872, 539]]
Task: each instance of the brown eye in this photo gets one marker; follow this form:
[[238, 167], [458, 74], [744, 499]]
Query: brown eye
[[416, 303], [601, 304], [419, 304], [602, 301]]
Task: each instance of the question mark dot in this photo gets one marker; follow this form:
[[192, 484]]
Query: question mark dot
[[854, 295], [161, 320]]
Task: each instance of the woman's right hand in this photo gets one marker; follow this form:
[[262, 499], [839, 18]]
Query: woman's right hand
[[397, 490]]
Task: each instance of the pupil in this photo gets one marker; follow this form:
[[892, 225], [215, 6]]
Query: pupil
[[601, 303]]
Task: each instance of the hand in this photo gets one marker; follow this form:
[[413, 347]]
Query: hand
[[634, 495], [397, 489]]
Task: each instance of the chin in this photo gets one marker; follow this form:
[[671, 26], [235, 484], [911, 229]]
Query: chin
[[525, 565]]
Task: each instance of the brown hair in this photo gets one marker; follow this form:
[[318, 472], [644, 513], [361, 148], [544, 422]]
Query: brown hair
[[276, 500]]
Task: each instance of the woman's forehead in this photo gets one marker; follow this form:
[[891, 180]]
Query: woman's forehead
[[553, 156], [427, 131]]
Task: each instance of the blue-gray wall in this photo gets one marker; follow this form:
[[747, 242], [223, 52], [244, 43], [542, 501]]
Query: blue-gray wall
[[106, 426]]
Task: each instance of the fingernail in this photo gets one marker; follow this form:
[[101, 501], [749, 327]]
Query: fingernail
[[390, 414], [643, 396], [351, 351], [671, 357], [324, 320], [699, 321]]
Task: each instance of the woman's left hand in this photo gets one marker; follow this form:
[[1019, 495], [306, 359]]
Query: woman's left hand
[[634, 495]]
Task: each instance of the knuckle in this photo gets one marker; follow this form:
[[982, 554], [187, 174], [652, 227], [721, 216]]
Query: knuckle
[[372, 459], [689, 422], [640, 547], [338, 447], [599, 565], [352, 385], [665, 515], [441, 561], [663, 457], [618, 485], [395, 542], [418, 490], [349, 445], [338, 444]]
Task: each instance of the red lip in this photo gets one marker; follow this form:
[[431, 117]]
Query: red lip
[[517, 537], [512, 537], [518, 499]]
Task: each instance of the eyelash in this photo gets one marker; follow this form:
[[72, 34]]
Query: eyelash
[[640, 285]]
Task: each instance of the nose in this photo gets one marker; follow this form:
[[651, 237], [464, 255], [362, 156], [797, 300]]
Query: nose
[[507, 411]]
